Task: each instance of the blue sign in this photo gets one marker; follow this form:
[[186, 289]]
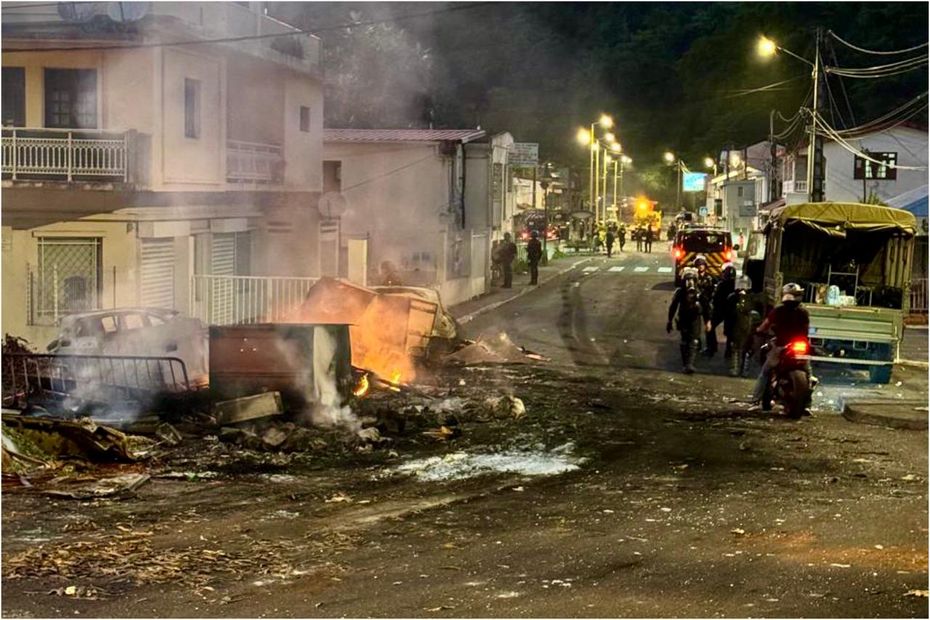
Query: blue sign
[[702, 211], [693, 181]]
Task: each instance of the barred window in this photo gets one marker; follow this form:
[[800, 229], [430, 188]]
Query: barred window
[[68, 279]]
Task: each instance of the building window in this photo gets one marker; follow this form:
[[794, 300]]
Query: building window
[[304, 118], [191, 108], [71, 98], [14, 97], [68, 278], [739, 191], [864, 169]]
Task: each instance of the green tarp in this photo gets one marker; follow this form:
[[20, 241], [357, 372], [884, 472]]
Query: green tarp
[[835, 218]]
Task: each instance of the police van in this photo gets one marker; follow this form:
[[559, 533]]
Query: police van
[[716, 245]]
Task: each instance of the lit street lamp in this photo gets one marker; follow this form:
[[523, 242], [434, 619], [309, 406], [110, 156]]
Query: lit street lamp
[[767, 48]]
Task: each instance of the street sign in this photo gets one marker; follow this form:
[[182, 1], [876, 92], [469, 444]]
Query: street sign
[[693, 181], [524, 154], [702, 211]]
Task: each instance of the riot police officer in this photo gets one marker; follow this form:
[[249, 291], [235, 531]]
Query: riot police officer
[[691, 316], [705, 286], [722, 291]]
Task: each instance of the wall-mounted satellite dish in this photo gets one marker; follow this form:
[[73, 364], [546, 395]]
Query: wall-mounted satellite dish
[[80, 11], [127, 11], [333, 204]]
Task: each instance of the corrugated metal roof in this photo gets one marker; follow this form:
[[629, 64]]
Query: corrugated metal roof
[[402, 135]]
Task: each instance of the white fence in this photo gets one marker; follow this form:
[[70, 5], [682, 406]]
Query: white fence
[[233, 300], [919, 296], [254, 162], [64, 154], [794, 187]]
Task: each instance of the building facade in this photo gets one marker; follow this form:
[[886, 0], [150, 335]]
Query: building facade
[[141, 173], [426, 205]]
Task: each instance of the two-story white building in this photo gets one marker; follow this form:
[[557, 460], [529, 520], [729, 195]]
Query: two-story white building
[[851, 178], [154, 155]]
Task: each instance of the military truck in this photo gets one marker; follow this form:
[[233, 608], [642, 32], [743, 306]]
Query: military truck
[[854, 261]]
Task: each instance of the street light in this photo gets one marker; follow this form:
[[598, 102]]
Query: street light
[[605, 121], [767, 48], [610, 138], [709, 162], [615, 147], [671, 158], [583, 137]]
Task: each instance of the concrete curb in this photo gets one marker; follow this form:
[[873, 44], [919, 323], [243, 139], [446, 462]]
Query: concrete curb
[[497, 304], [913, 364], [899, 414]]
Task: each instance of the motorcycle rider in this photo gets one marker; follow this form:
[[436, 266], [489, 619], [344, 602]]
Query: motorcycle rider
[[788, 321], [722, 291], [692, 316]]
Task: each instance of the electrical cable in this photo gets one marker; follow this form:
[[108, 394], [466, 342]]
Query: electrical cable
[[831, 133], [254, 37], [899, 114], [879, 71], [876, 52], [852, 116]]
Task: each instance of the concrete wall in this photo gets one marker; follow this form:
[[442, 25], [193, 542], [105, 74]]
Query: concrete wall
[[303, 152], [119, 274]]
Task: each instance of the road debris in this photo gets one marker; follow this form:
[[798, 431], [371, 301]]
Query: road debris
[[917, 593], [122, 486], [248, 408], [462, 465]]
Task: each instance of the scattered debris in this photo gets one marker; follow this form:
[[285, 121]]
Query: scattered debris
[[72, 438], [461, 465], [249, 408], [104, 487], [917, 593], [168, 434], [738, 531], [506, 406]]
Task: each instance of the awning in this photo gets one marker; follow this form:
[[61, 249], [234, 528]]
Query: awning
[[836, 218]]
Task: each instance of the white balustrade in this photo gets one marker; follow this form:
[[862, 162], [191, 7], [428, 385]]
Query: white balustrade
[[253, 162], [63, 153]]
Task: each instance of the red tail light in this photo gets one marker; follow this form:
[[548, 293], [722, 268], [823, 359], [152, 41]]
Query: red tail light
[[679, 253], [799, 347]]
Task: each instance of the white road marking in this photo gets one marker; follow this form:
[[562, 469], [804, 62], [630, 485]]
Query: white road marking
[[617, 269], [590, 269], [640, 269], [665, 270]]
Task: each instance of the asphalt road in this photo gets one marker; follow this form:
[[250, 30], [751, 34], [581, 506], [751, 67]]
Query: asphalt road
[[684, 502]]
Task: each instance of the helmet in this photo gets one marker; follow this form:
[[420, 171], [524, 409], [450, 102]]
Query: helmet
[[689, 273], [743, 283], [791, 292], [700, 260], [534, 234], [728, 271]]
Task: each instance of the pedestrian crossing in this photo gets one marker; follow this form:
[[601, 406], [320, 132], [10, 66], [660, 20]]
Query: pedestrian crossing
[[639, 269]]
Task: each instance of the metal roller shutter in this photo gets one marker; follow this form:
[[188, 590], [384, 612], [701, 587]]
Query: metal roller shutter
[[157, 273]]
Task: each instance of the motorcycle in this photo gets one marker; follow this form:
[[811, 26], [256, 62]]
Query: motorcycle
[[789, 382]]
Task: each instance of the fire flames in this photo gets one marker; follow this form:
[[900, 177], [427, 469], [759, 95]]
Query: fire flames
[[362, 388]]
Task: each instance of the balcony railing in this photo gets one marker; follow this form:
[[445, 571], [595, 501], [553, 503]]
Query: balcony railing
[[794, 187], [253, 162], [234, 300], [65, 154]]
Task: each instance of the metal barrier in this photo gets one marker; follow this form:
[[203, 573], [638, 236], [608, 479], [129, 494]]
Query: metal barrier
[[919, 296], [90, 378]]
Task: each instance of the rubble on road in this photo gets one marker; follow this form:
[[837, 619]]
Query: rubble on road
[[122, 485], [71, 438], [492, 350], [463, 465]]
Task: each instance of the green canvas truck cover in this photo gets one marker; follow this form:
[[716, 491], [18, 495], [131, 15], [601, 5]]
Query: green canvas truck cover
[[835, 218]]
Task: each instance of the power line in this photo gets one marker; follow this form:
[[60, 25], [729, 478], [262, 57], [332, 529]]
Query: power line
[[897, 116], [297, 31], [879, 53], [879, 71], [22, 5], [832, 133]]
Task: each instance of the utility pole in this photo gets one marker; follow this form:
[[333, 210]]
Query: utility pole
[[535, 168], [815, 147], [773, 177], [678, 188], [617, 163], [545, 188], [597, 182]]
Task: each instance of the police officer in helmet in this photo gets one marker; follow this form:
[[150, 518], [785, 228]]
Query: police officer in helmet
[[691, 316]]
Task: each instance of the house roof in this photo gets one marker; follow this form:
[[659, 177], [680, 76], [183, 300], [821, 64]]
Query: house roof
[[402, 135], [914, 201]]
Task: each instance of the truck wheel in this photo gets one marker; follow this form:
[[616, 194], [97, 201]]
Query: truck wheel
[[880, 374], [796, 394]]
